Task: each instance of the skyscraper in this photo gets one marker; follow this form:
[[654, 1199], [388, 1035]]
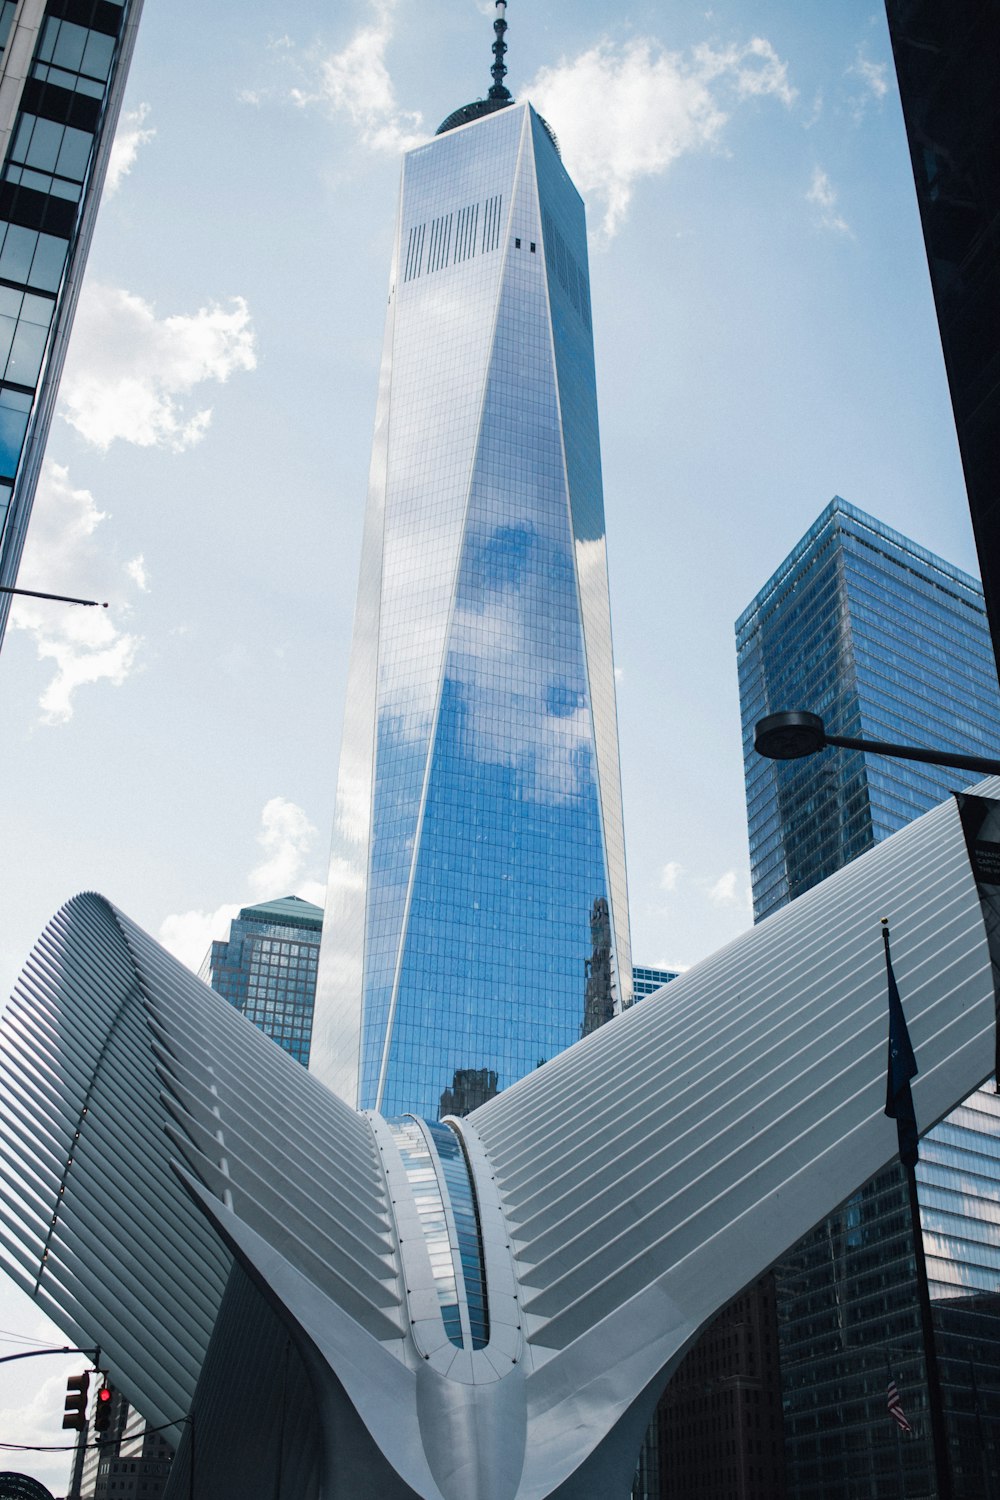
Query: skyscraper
[[478, 809], [946, 63], [62, 75], [267, 969], [647, 981], [886, 640]]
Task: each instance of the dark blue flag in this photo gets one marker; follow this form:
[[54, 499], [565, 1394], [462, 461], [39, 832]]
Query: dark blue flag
[[902, 1067]]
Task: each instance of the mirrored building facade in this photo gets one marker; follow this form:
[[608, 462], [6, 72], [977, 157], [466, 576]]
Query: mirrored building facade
[[63, 65], [882, 639], [478, 813], [267, 969]]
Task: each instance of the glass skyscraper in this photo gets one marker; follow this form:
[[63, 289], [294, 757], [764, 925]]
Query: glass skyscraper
[[648, 981], [478, 814], [882, 639], [267, 969], [63, 65]]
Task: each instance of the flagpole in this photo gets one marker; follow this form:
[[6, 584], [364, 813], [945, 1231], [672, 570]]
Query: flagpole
[[899, 1090]]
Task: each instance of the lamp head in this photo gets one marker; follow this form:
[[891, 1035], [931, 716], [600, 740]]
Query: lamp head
[[789, 736]]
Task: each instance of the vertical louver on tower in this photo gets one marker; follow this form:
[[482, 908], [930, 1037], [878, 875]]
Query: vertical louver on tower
[[479, 802]]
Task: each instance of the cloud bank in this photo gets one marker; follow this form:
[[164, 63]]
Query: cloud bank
[[63, 555], [129, 372], [356, 82], [286, 838], [655, 106], [131, 135]]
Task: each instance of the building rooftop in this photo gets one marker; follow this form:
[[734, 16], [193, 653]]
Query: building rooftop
[[292, 911]]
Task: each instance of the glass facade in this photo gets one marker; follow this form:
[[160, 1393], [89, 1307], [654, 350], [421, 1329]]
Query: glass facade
[[882, 639], [946, 64], [267, 969], [54, 159], [434, 1161], [479, 807], [648, 981]]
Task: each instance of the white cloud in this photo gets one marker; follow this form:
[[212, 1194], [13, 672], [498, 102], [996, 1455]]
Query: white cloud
[[34, 1419], [286, 837], [136, 570], [188, 934], [823, 196], [669, 875], [131, 134], [356, 82], [727, 891], [655, 106], [755, 69], [874, 79], [61, 556], [128, 371]]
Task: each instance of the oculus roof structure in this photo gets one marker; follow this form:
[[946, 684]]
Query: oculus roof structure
[[485, 1309]]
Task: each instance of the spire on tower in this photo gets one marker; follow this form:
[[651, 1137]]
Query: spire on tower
[[499, 68]]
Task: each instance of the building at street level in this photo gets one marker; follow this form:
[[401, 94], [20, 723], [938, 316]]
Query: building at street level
[[267, 969], [63, 65], [885, 640], [478, 816]]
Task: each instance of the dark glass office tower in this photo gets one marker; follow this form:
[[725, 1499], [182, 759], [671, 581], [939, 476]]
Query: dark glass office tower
[[267, 969], [478, 815], [882, 639], [947, 62], [63, 68]]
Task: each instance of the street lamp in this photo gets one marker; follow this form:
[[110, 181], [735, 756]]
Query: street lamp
[[792, 735]]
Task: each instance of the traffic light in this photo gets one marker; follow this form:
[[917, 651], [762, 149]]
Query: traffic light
[[75, 1415], [102, 1410]]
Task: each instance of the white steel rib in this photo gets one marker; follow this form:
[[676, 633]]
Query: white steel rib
[[623, 1193]]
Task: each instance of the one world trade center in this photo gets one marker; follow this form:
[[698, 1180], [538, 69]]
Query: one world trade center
[[478, 826]]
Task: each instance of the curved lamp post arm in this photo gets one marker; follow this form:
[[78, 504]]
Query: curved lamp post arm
[[792, 735]]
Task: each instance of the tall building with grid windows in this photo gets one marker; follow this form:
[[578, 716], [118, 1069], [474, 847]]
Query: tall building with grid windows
[[478, 810], [63, 65], [884, 640], [267, 969], [647, 981]]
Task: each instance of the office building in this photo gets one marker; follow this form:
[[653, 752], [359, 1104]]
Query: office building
[[647, 981], [62, 75], [946, 59], [267, 969], [375, 1308], [478, 813], [883, 640], [887, 641]]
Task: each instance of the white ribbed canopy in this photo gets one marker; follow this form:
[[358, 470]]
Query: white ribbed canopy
[[626, 1191]]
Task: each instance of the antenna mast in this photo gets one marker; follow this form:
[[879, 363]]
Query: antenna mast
[[499, 69]]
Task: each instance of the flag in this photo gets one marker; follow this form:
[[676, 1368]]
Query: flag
[[902, 1066], [896, 1408]]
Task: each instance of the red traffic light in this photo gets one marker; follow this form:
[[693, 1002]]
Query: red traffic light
[[75, 1415], [102, 1411]]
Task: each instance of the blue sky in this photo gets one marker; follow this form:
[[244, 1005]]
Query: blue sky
[[765, 340]]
